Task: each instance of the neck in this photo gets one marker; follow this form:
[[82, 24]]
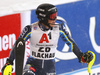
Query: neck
[[45, 26]]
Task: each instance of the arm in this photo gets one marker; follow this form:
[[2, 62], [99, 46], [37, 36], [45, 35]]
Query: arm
[[64, 34], [25, 34]]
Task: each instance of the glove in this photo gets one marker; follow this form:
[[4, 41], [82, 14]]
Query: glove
[[7, 69], [87, 57]]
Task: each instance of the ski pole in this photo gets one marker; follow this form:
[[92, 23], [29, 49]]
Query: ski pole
[[91, 62]]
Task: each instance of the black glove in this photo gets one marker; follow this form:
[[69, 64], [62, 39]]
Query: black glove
[[87, 57], [7, 68]]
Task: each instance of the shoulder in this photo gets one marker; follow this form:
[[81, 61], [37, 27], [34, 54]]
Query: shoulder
[[64, 28], [29, 27], [35, 24]]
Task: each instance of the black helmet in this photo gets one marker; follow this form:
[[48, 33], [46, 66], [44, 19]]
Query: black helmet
[[45, 12]]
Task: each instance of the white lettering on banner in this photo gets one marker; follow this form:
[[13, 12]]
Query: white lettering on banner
[[92, 34], [12, 39], [6, 42]]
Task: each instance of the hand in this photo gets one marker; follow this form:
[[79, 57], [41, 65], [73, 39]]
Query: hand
[[87, 57], [7, 69]]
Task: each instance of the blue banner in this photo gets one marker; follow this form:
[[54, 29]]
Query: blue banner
[[83, 21]]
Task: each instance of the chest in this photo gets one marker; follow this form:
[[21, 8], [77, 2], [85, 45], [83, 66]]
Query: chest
[[39, 37]]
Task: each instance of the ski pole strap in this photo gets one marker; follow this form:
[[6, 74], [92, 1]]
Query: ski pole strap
[[91, 62]]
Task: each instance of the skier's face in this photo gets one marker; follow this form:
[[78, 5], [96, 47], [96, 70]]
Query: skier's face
[[52, 22], [52, 19]]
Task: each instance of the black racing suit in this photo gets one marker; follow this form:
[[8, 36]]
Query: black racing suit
[[44, 67]]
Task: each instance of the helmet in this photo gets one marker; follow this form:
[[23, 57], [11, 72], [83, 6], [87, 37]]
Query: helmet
[[45, 12]]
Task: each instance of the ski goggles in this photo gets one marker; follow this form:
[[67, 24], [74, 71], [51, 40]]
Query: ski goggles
[[53, 16]]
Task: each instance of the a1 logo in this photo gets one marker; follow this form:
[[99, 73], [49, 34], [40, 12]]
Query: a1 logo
[[45, 38]]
